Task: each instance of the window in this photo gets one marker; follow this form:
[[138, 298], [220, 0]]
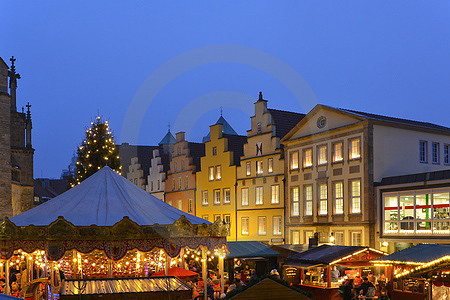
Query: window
[[244, 225], [275, 194], [295, 201], [182, 165], [308, 194], [258, 148], [227, 220], [307, 158], [338, 156], [248, 168], [258, 126], [173, 184], [322, 158], [180, 204], [270, 165], [189, 205], [226, 195], [262, 226], [435, 153], [180, 182], [277, 225], [174, 166], [355, 195], [295, 237], [218, 172], [216, 196], [205, 217], [308, 234], [244, 197], [214, 151], [259, 167], [446, 150], [423, 151], [205, 197], [356, 238], [211, 173], [259, 195], [323, 199], [339, 238], [186, 182], [339, 198], [217, 218], [293, 160], [354, 148]]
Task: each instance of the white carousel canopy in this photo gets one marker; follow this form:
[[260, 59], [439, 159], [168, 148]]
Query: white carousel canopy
[[104, 199]]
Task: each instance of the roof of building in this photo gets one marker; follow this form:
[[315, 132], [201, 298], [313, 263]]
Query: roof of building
[[419, 177], [323, 254], [104, 199], [226, 129], [236, 144], [143, 153], [284, 121], [49, 188], [249, 249], [196, 150], [167, 139], [422, 253], [396, 120]]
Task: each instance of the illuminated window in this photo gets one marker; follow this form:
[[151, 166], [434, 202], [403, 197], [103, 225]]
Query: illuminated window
[[295, 201], [294, 160], [262, 225], [322, 158], [259, 195], [295, 237], [275, 194], [259, 167], [338, 156], [308, 194], [339, 197], [205, 197], [244, 196], [244, 225], [226, 195], [423, 151], [216, 196], [356, 238], [270, 165], [218, 172], [355, 193], [211, 173], [248, 168], [227, 220], [323, 199], [180, 204], [307, 158], [354, 148], [277, 225], [339, 238]]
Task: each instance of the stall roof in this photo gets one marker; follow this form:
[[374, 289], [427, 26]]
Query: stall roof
[[104, 199], [324, 254], [422, 253], [249, 249], [124, 285]]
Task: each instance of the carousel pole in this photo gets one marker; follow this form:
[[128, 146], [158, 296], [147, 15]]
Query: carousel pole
[[167, 265], [75, 264], [204, 273], [7, 288], [110, 268], [222, 278], [328, 276], [2, 271], [52, 277], [181, 255]]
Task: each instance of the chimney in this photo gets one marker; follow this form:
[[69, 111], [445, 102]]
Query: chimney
[[180, 136]]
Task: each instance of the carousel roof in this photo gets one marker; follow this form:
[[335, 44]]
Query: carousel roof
[[104, 199]]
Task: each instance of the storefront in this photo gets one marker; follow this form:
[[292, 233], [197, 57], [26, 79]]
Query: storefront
[[322, 270]]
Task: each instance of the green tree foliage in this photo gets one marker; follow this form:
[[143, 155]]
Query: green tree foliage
[[97, 150]]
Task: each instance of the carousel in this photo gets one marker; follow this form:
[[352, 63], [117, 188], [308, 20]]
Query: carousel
[[104, 228]]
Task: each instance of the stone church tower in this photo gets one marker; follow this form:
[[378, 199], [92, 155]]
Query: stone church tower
[[16, 151]]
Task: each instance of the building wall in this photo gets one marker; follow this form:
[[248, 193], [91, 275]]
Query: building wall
[[396, 151], [5, 151], [157, 177], [261, 136], [135, 174], [224, 159]]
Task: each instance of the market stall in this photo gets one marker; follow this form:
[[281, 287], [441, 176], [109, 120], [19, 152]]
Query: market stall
[[105, 227], [322, 270], [419, 272]]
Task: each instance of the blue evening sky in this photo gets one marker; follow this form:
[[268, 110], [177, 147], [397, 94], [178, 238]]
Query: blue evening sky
[[144, 64]]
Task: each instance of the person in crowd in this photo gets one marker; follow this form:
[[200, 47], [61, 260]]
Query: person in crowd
[[275, 273], [254, 276], [335, 274], [346, 289], [367, 288], [243, 276], [231, 286]]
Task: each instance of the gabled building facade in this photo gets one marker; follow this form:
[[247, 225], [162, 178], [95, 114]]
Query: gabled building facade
[[335, 156], [260, 176], [184, 164], [216, 182]]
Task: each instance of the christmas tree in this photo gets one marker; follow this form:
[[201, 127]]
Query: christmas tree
[[97, 150]]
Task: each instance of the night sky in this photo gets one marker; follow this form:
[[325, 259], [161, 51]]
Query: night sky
[[144, 64]]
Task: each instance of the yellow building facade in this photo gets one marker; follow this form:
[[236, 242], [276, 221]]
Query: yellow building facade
[[260, 176], [216, 190]]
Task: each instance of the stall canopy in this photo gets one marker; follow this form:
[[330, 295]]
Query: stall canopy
[[177, 272], [329, 254], [104, 199], [249, 249]]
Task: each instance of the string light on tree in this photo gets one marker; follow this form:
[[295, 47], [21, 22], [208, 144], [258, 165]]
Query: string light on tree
[[96, 151]]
